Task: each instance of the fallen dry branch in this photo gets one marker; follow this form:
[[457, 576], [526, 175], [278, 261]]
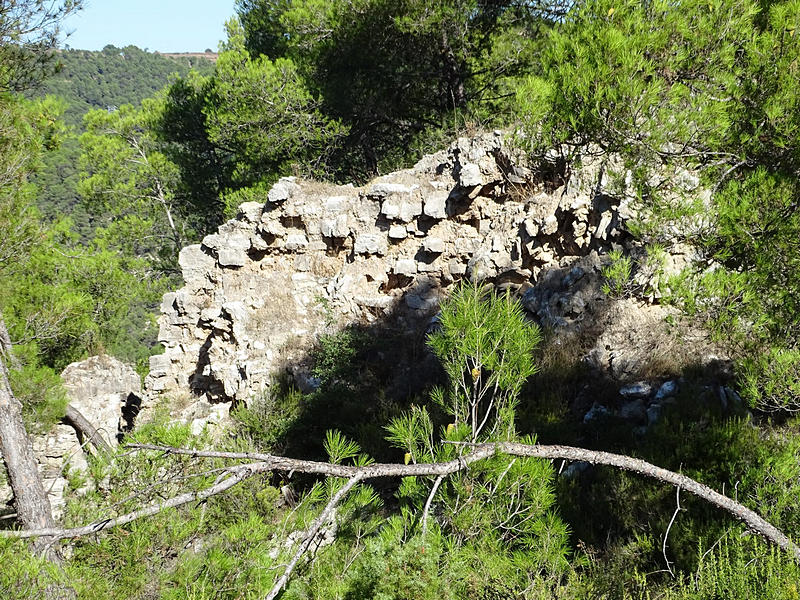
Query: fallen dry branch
[[236, 475], [325, 516], [476, 452], [85, 429]]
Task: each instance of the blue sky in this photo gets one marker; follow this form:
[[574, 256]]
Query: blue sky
[[163, 25]]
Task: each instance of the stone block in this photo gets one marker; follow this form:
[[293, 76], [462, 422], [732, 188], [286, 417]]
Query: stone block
[[667, 390], [382, 189], [370, 243], [417, 302], [401, 208], [232, 250], [435, 204], [296, 242], [283, 190], [232, 257], [640, 389], [550, 225], [250, 212], [531, 228], [466, 245], [335, 227], [470, 175], [398, 232], [405, 266], [336, 204], [456, 267], [168, 303], [434, 245], [213, 241]]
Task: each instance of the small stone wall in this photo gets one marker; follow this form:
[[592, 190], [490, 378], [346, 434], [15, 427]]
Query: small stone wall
[[314, 257]]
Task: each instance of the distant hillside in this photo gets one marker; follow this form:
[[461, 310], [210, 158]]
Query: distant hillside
[[108, 78], [115, 76]]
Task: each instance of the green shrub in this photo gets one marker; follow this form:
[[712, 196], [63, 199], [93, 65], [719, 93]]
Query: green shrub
[[267, 420], [742, 568], [497, 516], [617, 275], [485, 345], [43, 398], [336, 353], [771, 381]]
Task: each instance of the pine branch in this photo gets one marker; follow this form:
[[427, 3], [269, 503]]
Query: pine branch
[[322, 519]]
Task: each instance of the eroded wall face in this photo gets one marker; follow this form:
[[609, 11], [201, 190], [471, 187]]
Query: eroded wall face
[[315, 257]]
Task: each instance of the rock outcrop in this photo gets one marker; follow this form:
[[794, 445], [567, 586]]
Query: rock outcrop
[[313, 257], [105, 391]]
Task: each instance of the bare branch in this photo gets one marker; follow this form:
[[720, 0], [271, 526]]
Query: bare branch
[[666, 533], [82, 425], [322, 519], [428, 502], [238, 473], [268, 462]]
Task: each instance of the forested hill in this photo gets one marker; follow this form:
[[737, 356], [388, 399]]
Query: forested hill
[[88, 80], [115, 76]]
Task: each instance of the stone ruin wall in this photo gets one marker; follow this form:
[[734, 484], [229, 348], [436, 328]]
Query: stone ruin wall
[[107, 393], [315, 257]]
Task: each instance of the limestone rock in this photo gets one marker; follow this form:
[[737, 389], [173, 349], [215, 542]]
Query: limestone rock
[[398, 232], [196, 265], [370, 243], [640, 389], [402, 207], [250, 212], [550, 225], [405, 266], [667, 390], [316, 257], [434, 245], [108, 394], [470, 175], [382, 189], [296, 242], [435, 204], [283, 190], [596, 413]]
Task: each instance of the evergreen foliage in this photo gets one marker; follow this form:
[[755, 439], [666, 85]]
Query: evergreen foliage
[[104, 80], [127, 180], [347, 90], [29, 34], [427, 65], [500, 510], [60, 299], [486, 347], [697, 85]]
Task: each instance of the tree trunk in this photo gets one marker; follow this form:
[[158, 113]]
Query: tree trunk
[[33, 506], [452, 74]]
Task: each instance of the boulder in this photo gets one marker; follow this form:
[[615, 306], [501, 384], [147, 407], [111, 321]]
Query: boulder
[[108, 393], [640, 389]]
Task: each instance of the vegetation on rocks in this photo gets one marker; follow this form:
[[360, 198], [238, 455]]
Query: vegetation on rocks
[[692, 110]]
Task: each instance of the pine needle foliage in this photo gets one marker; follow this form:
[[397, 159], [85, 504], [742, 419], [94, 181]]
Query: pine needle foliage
[[497, 516], [485, 345]]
